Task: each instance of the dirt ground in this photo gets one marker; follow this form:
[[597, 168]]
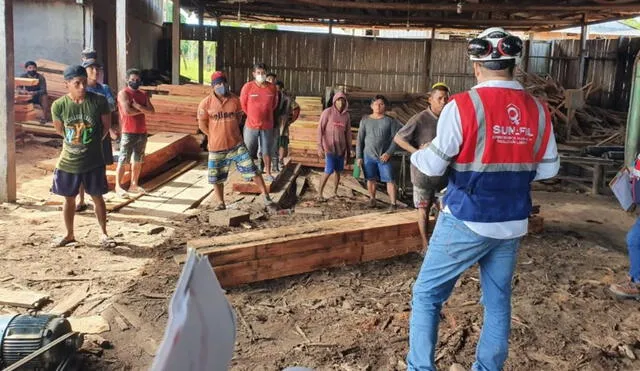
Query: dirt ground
[[348, 318]]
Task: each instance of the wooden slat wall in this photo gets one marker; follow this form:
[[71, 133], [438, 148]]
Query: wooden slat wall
[[302, 61]]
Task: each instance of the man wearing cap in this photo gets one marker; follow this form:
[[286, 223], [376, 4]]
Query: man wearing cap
[[418, 132], [82, 119], [93, 72], [134, 104], [496, 139], [38, 92], [219, 119]]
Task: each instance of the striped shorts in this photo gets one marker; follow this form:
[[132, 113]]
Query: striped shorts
[[219, 163]]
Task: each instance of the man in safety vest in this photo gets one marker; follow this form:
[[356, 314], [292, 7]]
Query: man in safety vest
[[497, 139]]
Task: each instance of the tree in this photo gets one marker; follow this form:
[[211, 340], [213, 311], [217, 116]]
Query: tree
[[168, 13]]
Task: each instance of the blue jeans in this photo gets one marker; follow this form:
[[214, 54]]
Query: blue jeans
[[258, 137], [633, 245], [453, 249]]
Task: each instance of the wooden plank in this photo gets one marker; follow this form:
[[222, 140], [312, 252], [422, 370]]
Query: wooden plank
[[39, 129], [278, 197], [23, 298], [352, 184], [134, 319], [175, 197], [115, 203], [70, 302], [89, 325], [8, 191], [228, 218]]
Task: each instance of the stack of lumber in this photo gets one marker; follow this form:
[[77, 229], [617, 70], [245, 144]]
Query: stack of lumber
[[24, 111], [52, 72], [403, 112], [402, 107], [303, 134], [279, 252], [590, 124], [161, 148], [176, 107]]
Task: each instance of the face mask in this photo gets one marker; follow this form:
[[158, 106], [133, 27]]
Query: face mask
[[260, 78], [32, 73], [221, 90], [134, 84]]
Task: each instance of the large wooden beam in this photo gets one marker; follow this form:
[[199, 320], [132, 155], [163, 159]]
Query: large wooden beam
[[279, 252], [175, 44], [121, 42], [201, 43], [373, 19], [467, 7], [7, 122]]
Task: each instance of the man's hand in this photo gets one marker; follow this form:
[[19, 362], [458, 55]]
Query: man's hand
[[425, 145], [385, 157], [360, 163], [320, 153]]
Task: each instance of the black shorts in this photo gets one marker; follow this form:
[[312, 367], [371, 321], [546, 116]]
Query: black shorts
[[67, 184]]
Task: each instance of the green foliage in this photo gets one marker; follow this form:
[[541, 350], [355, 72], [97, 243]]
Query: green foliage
[[168, 13]]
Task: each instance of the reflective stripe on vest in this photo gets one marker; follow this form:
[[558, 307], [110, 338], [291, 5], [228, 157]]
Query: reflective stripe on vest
[[480, 146]]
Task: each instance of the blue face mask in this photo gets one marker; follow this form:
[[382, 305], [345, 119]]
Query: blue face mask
[[221, 90]]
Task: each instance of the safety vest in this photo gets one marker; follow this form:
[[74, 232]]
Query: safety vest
[[504, 137]]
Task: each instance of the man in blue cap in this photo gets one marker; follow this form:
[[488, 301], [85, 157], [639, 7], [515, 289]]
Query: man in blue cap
[[82, 119]]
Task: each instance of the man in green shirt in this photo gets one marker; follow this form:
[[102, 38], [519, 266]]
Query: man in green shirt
[[82, 118]]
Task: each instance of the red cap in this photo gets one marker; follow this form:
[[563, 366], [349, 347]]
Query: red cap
[[218, 77]]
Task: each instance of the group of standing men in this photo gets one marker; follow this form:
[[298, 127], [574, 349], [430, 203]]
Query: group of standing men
[[83, 118], [268, 111]]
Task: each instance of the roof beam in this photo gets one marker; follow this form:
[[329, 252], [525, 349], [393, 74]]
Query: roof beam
[[472, 7], [431, 21]]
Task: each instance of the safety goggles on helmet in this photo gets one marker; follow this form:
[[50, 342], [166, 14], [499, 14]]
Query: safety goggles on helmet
[[494, 44]]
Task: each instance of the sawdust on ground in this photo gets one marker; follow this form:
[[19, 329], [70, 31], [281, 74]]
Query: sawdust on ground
[[350, 318]]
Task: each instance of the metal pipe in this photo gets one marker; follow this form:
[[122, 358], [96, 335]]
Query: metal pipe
[[632, 142]]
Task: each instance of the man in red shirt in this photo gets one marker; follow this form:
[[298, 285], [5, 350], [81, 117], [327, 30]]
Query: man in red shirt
[[133, 105], [219, 119], [259, 99]]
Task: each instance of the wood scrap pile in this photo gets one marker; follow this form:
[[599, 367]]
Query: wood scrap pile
[[176, 107], [402, 105], [583, 125], [52, 72], [24, 111]]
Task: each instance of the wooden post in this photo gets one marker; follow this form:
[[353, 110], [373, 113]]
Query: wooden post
[[431, 46], [201, 43], [527, 52], [121, 43], [219, 47], [329, 78], [175, 44], [7, 122], [583, 50], [598, 178], [88, 25]]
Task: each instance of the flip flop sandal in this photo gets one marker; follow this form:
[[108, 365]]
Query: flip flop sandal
[[268, 178], [321, 199], [82, 207], [139, 190], [220, 207], [62, 242], [122, 194], [108, 242]]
